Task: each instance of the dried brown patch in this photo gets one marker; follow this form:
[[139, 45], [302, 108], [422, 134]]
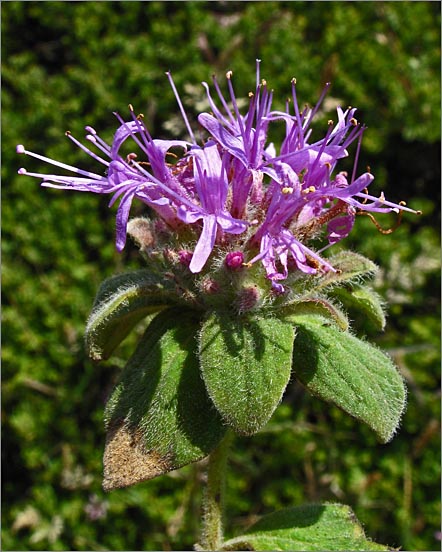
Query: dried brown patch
[[126, 462]]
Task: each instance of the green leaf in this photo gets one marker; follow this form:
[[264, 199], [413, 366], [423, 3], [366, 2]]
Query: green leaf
[[121, 302], [159, 416], [350, 267], [309, 527], [366, 301], [356, 376], [316, 305], [245, 363]]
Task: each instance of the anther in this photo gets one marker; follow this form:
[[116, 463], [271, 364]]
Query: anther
[[287, 190], [131, 107], [293, 81], [330, 122], [353, 121], [22, 171], [20, 148], [229, 74], [68, 133]]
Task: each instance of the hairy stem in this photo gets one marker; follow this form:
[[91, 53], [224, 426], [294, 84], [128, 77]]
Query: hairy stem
[[213, 499]]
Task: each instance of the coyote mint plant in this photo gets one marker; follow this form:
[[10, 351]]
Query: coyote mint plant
[[239, 296]]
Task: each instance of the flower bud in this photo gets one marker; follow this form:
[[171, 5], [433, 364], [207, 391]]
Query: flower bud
[[210, 286], [234, 260]]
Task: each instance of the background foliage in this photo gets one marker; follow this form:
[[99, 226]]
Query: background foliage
[[66, 65]]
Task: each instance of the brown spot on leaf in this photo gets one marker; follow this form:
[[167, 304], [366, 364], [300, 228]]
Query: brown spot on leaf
[[125, 460]]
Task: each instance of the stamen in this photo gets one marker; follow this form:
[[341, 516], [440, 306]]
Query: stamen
[[355, 163], [180, 105], [86, 150], [365, 190], [88, 174], [378, 226]]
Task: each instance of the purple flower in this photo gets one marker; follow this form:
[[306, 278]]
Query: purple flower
[[243, 137], [124, 178], [211, 186], [237, 193]]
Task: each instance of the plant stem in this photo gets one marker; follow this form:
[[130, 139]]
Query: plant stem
[[213, 499]]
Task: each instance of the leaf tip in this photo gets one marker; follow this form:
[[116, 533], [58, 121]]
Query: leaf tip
[[125, 460]]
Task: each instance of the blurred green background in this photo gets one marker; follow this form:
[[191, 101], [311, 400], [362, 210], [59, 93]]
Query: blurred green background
[[68, 64]]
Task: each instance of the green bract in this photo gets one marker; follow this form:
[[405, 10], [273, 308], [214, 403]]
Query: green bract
[[121, 302], [245, 364], [354, 375], [159, 416]]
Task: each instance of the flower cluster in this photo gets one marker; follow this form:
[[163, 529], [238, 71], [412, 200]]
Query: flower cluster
[[235, 193]]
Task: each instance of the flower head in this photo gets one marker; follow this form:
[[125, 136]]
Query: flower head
[[236, 196]]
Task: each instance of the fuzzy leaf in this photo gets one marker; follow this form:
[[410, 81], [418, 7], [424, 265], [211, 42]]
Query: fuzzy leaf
[[121, 302], [310, 527], [366, 301], [159, 416], [316, 305], [350, 267], [245, 363], [356, 376]]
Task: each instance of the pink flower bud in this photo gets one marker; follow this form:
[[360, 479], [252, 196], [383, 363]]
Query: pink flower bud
[[234, 260]]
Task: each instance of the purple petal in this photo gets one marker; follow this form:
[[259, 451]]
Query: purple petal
[[205, 244], [122, 218]]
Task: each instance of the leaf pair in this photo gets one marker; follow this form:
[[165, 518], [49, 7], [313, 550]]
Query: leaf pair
[[160, 417]]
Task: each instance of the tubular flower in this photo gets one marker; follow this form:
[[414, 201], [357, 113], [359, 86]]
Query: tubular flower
[[236, 196]]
